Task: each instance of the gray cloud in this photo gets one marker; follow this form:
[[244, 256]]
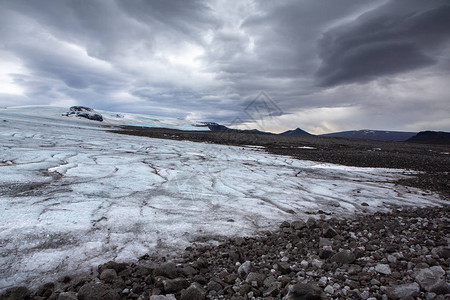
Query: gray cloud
[[383, 42], [210, 59]]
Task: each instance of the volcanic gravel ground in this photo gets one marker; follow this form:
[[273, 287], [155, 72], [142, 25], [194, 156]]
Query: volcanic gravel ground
[[398, 255]]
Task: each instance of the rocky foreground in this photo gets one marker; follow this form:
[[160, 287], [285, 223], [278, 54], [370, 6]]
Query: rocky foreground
[[404, 254]]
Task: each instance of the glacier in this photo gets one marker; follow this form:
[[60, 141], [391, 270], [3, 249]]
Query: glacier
[[74, 195]]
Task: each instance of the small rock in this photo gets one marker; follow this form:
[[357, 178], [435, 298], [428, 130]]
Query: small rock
[[168, 270], [16, 293], [322, 281], [214, 286], [175, 285], [329, 290], [403, 291], [284, 267], [46, 290], [354, 269], [364, 295], [432, 280], [97, 291], [328, 231], [317, 263], [304, 264], [244, 269], [391, 259], [193, 292], [159, 297], [343, 257], [68, 296], [383, 269], [257, 277], [285, 224], [311, 223], [108, 275], [297, 225], [301, 291]]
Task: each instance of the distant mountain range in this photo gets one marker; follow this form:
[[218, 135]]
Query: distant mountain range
[[296, 132], [378, 135], [435, 137], [366, 134]]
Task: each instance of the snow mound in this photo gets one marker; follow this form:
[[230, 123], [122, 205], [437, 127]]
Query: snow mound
[[90, 117]]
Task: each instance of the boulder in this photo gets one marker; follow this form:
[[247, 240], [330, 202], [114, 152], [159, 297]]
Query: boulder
[[193, 292], [343, 257], [16, 293], [85, 112], [244, 269], [97, 291], [68, 296], [383, 269], [168, 270], [175, 285], [108, 275], [328, 231], [301, 291], [91, 116], [403, 291], [432, 280], [80, 108]]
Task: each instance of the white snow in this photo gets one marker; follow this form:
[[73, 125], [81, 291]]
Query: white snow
[[109, 118], [74, 195]]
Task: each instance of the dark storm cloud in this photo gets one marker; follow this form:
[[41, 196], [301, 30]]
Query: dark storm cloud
[[384, 42], [210, 59]]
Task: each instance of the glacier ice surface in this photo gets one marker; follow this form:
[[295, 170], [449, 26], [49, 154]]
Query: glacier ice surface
[[74, 195]]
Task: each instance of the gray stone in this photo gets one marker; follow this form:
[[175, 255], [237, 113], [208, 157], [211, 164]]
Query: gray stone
[[343, 257], [311, 223], [108, 275], [253, 276], [364, 295], [16, 293], [328, 231], [193, 292], [285, 224], [403, 291], [301, 291], [175, 285], [46, 290], [324, 242], [269, 281], [97, 291], [284, 267], [168, 270], [442, 252], [383, 269], [354, 269], [392, 259], [317, 263], [329, 290], [297, 225], [159, 297], [432, 280], [244, 269], [68, 296], [214, 286]]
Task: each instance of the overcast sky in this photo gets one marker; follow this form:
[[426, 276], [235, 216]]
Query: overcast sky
[[326, 65]]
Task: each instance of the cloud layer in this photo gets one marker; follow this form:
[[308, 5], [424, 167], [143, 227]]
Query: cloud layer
[[327, 65]]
